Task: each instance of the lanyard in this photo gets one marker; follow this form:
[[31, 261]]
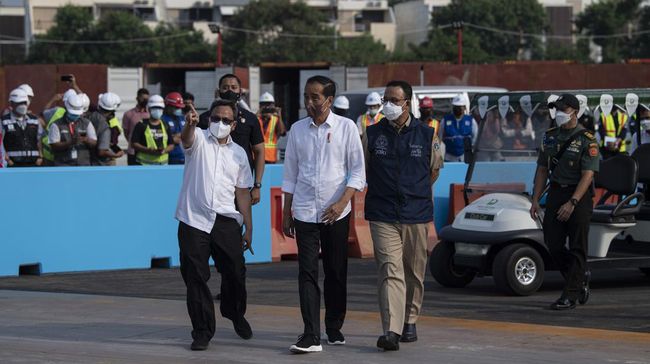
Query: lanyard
[[71, 127]]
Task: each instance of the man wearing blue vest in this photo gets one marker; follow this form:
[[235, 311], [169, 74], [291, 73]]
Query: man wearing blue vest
[[456, 128], [403, 159]]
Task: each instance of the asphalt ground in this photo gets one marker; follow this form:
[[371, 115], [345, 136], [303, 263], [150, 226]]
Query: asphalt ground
[[620, 298]]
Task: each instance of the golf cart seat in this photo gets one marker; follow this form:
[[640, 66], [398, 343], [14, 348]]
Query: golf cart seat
[[642, 157], [618, 176]]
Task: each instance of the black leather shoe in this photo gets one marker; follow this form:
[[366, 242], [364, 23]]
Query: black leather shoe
[[585, 293], [389, 342], [242, 328], [563, 304], [199, 345], [409, 334]]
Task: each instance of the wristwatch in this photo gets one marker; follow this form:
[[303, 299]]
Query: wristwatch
[[257, 185], [574, 202]]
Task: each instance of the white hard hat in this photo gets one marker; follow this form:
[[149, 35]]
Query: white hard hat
[[458, 100], [156, 101], [27, 89], [373, 98], [109, 101], [86, 101], [74, 104], [342, 102], [18, 95], [267, 97], [68, 93]]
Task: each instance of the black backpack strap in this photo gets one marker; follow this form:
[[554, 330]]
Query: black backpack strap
[[556, 159]]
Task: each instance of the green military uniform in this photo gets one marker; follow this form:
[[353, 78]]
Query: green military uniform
[[580, 155]]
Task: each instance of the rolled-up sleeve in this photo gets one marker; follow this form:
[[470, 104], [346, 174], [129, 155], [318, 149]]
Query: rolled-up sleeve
[[290, 177], [355, 162]]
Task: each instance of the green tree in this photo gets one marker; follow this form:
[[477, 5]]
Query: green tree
[[168, 44], [610, 17], [264, 31], [480, 45]]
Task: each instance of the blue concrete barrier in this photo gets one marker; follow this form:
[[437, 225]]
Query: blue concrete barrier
[[95, 218]]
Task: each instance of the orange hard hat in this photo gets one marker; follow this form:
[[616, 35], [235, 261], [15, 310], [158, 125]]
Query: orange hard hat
[[174, 99]]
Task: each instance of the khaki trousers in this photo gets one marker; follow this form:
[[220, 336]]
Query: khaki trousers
[[401, 256]]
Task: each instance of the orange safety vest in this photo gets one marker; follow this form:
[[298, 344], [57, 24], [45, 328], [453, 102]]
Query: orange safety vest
[[367, 119], [610, 127], [433, 123], [270, 139]]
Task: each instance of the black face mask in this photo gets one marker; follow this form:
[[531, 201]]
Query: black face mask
[[143, 103], [458, 110], [425, 114], [230, 95]]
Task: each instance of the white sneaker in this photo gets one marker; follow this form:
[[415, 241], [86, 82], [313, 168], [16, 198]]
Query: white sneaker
[[306, 344]]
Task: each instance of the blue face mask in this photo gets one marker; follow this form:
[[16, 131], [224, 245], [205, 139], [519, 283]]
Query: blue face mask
[[178, 112], [156, 113], [73, 117]]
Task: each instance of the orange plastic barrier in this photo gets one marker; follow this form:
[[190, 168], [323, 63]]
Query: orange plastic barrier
[[281, 246], [360, 241]]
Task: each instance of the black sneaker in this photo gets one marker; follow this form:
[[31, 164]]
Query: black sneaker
[[199, 345], [335, 337], [563, 304], [306, 344], [242, 328]]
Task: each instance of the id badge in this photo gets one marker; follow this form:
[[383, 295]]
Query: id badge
[[73, 154]]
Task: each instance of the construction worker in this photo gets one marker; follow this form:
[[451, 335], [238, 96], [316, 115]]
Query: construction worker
[[152, 139], [341, 106], [272, 126], [105, 154], [72, 136], [372, 114], [612, 131], [20, 133], [642, 132], [457, 127], [426, 114], [50, 115], [174, 117]]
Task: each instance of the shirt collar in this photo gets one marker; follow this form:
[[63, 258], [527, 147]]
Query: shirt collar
[[406, 124], [329, 121]]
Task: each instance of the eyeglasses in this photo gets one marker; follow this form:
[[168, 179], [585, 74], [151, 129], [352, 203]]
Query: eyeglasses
[[222, 120], [392, 100]]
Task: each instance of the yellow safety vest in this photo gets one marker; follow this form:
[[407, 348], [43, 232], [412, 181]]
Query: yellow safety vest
[[45, 139], [270, 139], [367, 119], [610, 128], [114, 123], [433, 123], [148, 159]]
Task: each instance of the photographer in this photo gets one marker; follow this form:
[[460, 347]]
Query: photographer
[[270, 118]]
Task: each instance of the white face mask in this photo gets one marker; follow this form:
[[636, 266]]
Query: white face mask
[[562, 118], [392, 111], [219, 130], [21, 109], [373, 111]]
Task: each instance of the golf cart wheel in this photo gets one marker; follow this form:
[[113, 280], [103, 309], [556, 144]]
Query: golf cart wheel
[[645, 270], [518, 269], [441, 265]]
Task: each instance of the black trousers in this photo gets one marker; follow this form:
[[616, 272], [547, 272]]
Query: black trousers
[[332, 240], [572, 261], [224, 245], [131, 160]]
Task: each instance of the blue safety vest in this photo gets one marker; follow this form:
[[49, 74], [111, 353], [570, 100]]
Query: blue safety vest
[[455, 131], [399, 173]]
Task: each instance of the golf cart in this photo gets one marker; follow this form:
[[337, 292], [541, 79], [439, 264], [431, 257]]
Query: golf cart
[[494, 233]]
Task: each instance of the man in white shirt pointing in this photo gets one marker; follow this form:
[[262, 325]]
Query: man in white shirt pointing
[[323, 168], [216, 174]]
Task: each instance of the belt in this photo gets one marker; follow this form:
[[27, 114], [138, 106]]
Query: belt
[[558, 185], [22, 153]]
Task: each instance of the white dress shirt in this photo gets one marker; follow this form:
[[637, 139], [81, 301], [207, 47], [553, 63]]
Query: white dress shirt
[[319, 163], [212, 172]]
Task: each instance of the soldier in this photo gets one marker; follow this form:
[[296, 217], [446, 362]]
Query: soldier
[[569, 155]]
